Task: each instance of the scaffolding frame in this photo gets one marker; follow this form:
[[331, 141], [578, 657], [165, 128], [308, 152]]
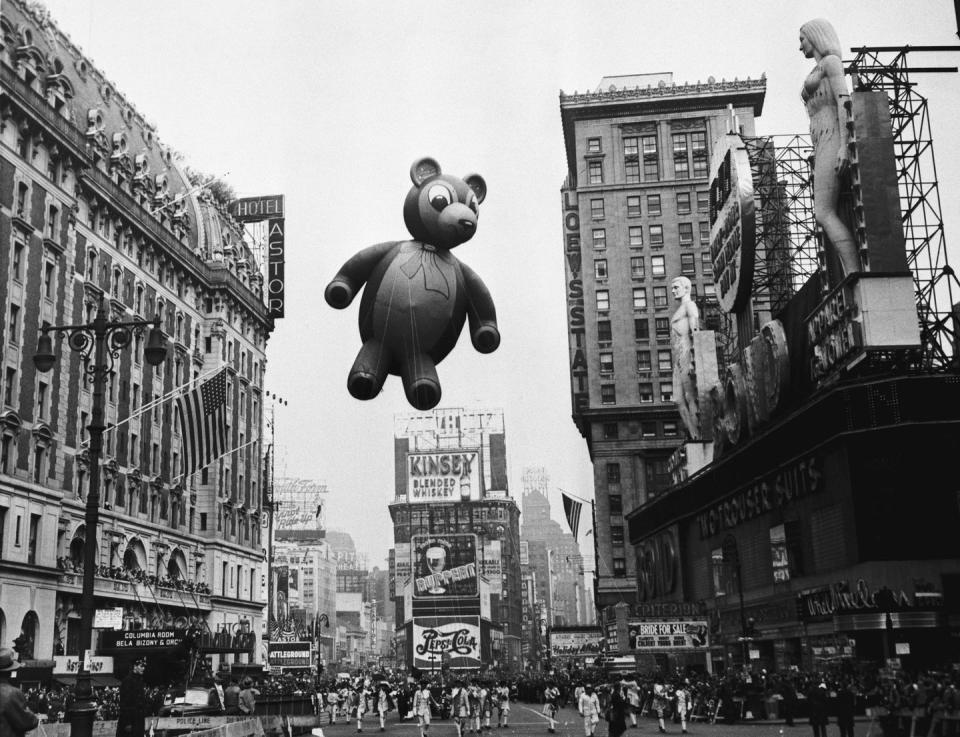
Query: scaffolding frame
[[790, 244], [885, 68]]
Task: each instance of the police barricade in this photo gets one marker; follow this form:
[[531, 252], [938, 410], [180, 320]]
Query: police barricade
[[204, 726]]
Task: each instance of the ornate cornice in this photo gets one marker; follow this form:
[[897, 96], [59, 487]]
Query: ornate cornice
[[627, 94]]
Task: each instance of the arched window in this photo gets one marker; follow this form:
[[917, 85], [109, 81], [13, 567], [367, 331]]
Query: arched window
[[76, 549], [9, 435], [135, 556], [91, 271], [177, 565], [25, 642]]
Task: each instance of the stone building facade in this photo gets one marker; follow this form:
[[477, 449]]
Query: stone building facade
[[94, 209]]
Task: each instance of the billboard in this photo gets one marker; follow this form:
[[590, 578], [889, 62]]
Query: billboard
[[281, 592], [402, 564], [447, 476], [732, 224], [288, 654], [663, 635], [444, 565], [491, 561], [446, 640], [575, 643]]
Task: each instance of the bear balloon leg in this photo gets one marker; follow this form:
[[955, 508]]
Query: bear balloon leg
[[420, 382], [416, 293], [369, 371]]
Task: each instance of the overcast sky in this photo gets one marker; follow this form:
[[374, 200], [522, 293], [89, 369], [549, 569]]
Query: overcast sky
[[329, 104]]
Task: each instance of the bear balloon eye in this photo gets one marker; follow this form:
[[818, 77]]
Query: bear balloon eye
[[439, 196]]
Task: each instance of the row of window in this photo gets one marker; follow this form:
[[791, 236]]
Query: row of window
[[661, 299], [658, 266], [642, 154], [654, 209], [114, 389], [242, 360], [608, 395], [228, 581], [644, 364], [655, 233]]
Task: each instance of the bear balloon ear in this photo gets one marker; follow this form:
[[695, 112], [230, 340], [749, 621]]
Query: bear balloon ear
[[424, 169], [476, 183]]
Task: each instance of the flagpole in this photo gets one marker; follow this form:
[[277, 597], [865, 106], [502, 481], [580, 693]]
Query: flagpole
[[226, 453], [172, 394], [596, 555], [574, 496]]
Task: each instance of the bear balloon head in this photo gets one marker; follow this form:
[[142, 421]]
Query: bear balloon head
[[440, 209], [417, 294]]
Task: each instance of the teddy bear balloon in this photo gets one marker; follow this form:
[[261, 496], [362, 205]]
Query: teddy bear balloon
[[418, 294]]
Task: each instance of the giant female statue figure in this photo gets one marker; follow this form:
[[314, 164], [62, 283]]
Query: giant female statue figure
[[824, 93]]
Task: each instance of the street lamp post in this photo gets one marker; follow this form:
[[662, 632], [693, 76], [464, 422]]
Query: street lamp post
[[104, 339], [731, 556]]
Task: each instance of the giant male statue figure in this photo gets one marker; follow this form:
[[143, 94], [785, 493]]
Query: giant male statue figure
[[684, 323]]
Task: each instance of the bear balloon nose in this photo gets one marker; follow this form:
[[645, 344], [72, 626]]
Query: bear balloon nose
[[468, 224]]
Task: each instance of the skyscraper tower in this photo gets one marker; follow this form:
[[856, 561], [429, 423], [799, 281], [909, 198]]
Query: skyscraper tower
[[635, 216]]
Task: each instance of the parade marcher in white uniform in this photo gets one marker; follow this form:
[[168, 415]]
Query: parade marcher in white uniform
[[589, 708]]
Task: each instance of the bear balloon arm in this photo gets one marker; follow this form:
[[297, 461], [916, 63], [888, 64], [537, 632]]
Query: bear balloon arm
[[481, 313], [354, 274], [485, 337]]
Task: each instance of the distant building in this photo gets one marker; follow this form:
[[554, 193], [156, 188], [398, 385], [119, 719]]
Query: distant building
[[456, 541], [316, 590], [531, 644], [554, 556]]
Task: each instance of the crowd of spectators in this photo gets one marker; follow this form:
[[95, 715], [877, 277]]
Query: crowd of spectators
[[51, 703], [900, 701], [135, 575]]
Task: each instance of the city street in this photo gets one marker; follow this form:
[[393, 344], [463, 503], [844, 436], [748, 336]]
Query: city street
[[525, 719]]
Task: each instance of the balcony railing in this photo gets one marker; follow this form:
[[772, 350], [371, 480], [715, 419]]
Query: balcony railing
[[110, 587]]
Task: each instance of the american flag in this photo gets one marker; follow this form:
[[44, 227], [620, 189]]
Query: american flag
[[203, 422], [571, 508]]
